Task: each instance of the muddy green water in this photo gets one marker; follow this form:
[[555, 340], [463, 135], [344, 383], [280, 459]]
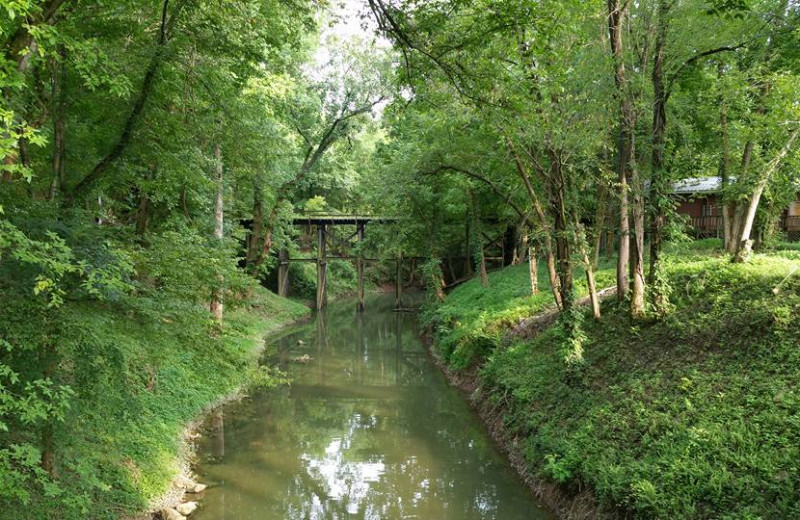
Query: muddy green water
[[368, 429]]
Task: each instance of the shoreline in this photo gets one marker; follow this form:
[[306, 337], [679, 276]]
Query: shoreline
[[177, 493], [563, 503]]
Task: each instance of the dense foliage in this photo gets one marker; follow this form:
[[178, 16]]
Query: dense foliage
[[154, 153]]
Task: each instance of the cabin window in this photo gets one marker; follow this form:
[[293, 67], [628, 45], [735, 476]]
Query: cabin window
[[707, 209]]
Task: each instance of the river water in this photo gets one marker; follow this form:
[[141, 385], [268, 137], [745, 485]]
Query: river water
[[368, 429]]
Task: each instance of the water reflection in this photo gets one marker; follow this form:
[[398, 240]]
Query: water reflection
[[368, 430]]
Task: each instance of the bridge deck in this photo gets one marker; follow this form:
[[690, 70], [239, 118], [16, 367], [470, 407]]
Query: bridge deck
[[342, 220]]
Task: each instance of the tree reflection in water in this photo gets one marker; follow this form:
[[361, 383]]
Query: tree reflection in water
[[368, 430]]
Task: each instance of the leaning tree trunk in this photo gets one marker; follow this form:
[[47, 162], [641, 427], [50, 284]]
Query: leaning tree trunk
[[594, 299], [157, 60], [740, 207], [555, 284], [744, 244], [267, 241], [216, 293]]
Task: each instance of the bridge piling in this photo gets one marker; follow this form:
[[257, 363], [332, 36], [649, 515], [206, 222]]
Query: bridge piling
[[322, 268], [398, 281], [360, 265], [283, 272]]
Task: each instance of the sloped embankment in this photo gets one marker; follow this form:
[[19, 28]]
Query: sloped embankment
[[694, 416], [145, 367]]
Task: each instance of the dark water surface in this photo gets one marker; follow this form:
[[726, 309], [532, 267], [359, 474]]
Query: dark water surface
[[368, 429]]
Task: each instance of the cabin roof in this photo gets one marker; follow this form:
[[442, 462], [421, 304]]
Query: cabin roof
[[696, 185]]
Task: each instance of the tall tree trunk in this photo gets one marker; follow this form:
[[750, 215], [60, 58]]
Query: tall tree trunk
[[533, 270], [743, 242], [659, 186], [254, 243], [728, 207], [561, 231], [637, 267], [450, 269], [269, 229], [58, 90], [740, 214], [468, 243], [616, 16], [522, 244], [142, 215], [480, 258], [509, 245], [436, 281], [219, 221], [599, 224]]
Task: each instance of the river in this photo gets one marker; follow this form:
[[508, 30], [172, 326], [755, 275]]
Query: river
[[368, 429]]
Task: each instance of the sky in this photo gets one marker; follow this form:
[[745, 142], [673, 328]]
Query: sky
[[347, 19]]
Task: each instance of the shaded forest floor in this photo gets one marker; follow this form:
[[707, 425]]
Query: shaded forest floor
[[693, 416]]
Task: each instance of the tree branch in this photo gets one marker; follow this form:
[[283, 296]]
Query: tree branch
[[483, 179], [138, 105], [695, 58]]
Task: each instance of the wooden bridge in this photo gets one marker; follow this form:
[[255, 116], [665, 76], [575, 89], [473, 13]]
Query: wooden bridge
[[325, 224], [326, 237]]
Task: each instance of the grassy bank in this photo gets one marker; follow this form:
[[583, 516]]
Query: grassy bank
[[151, 365], [473, 319], [695, 416]]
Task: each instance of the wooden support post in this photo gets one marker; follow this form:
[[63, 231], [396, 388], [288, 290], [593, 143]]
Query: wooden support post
[[322, 268], [398, 281], [360, 265], [283, 272], [398, 345]]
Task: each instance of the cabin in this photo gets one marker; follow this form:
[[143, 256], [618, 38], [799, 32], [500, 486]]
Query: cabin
[[700, 200]]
